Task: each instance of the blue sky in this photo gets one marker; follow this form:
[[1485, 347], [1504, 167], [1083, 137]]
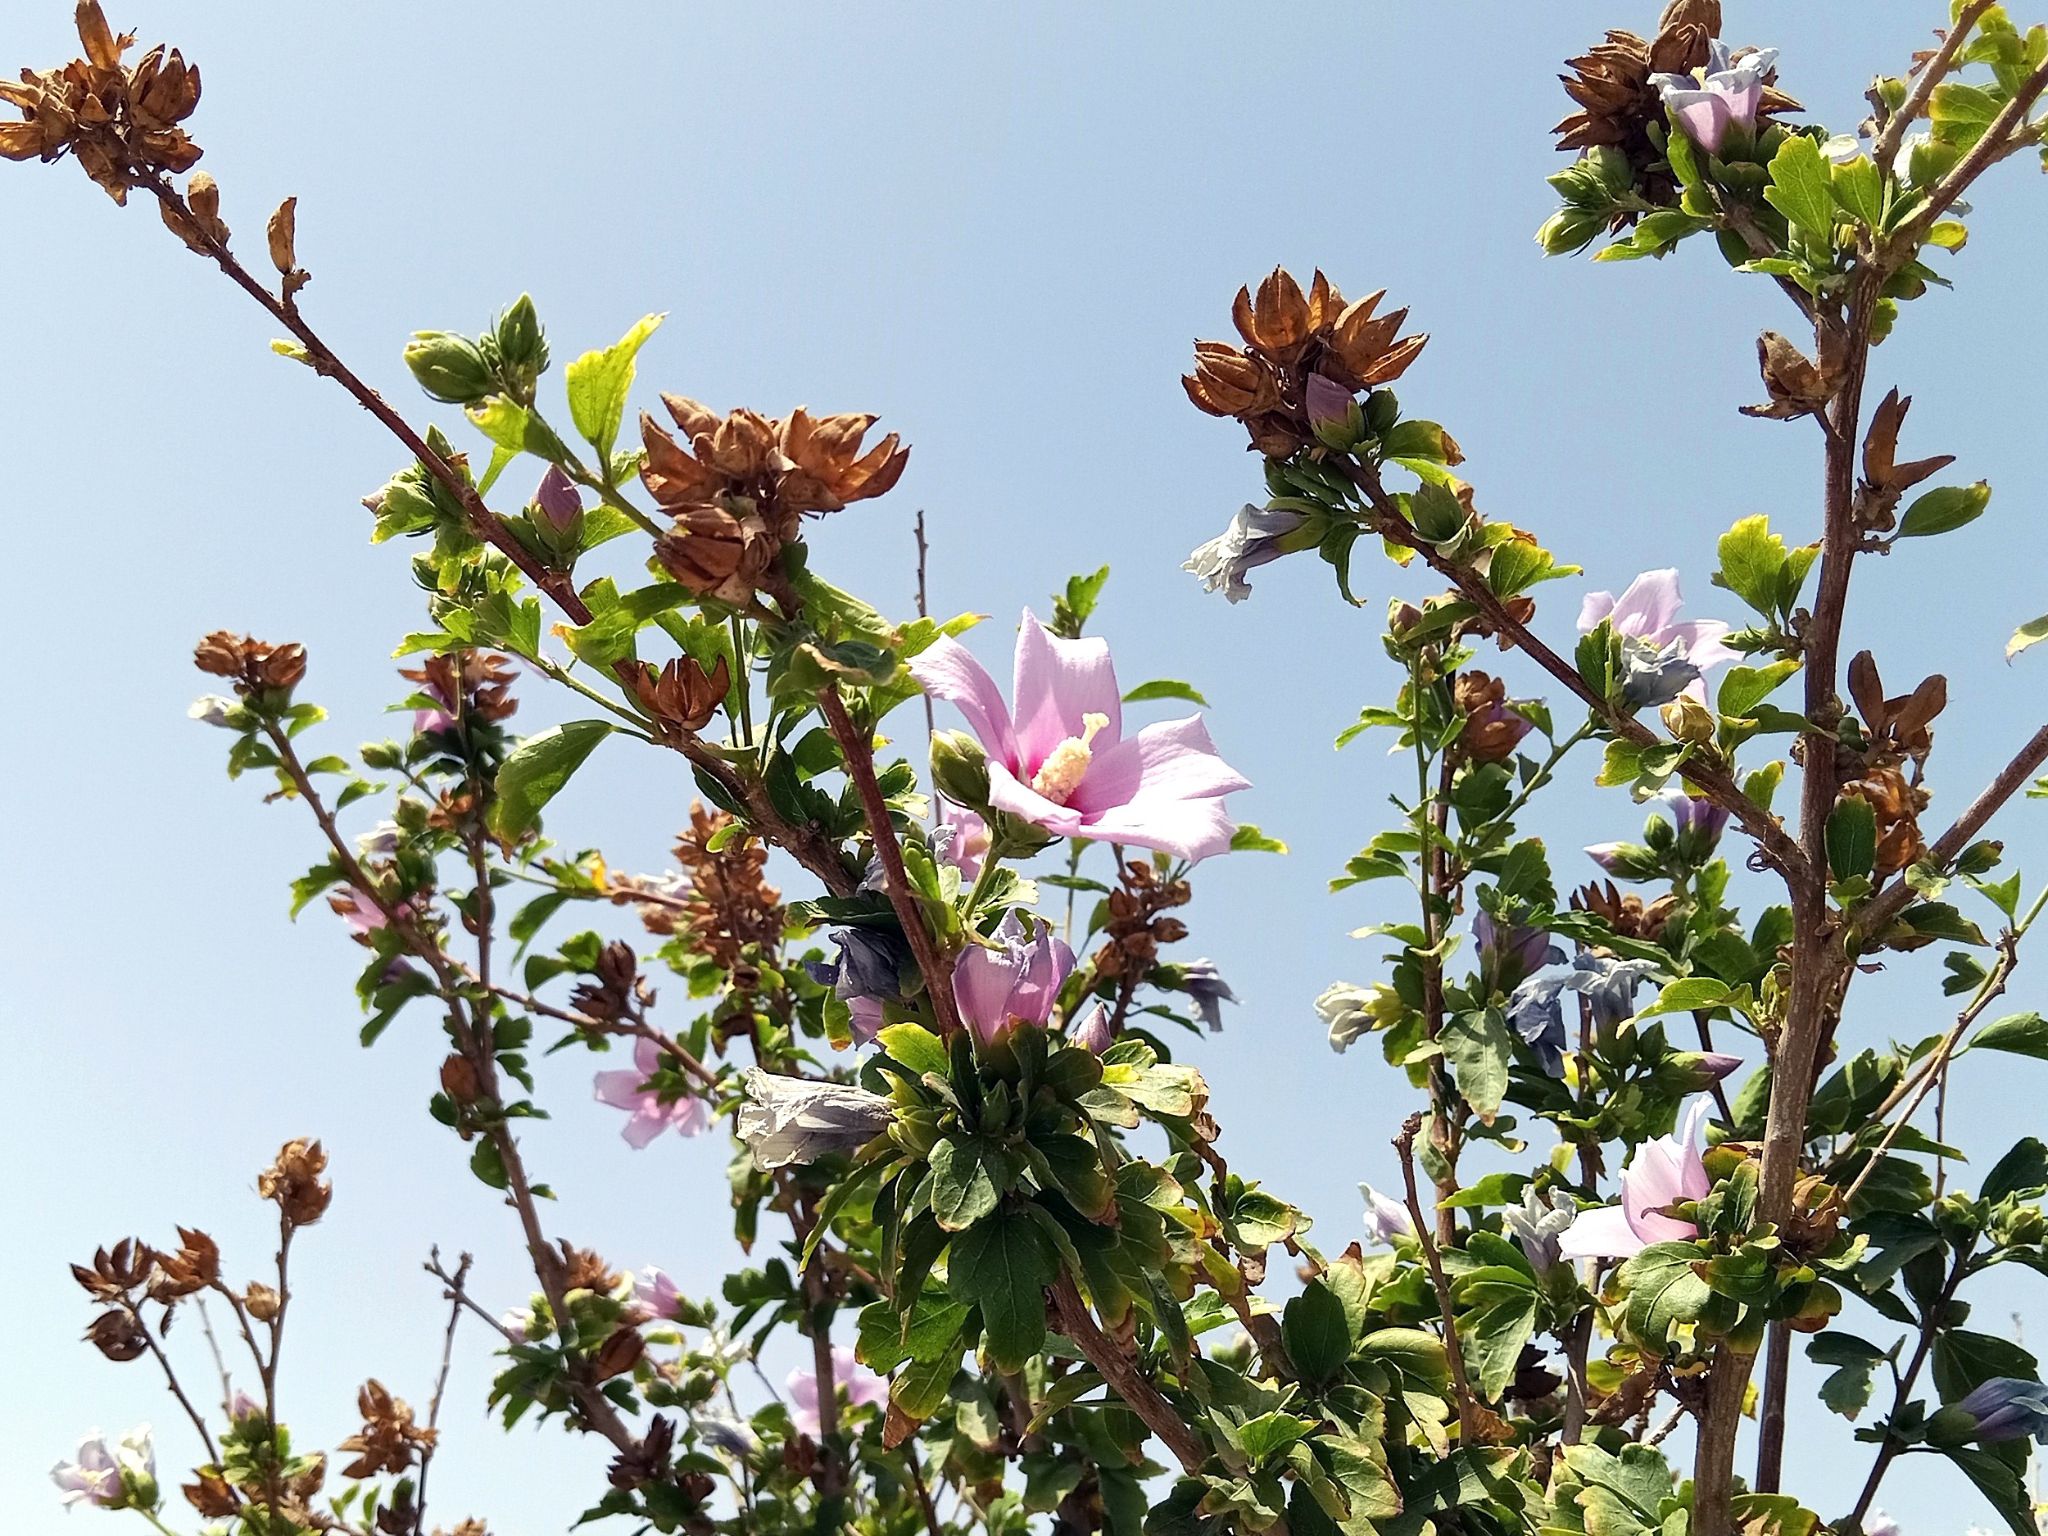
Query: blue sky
[[999, 230]]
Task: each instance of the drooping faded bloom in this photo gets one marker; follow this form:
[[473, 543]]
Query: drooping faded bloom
[[1062, 762], [1536, 1007], [210, 709], [1205, 984], [1015, 982], [1385, 1218], [1706, 109], [1349, 1010], [869, 971], [797, 1120], [2007, 1408], [1665, 1172], [861, 1386], [362, 915], [1540, 1221], [1506, 958], [1662, 656], [648, 1115], [1256, 536], [724, 1433]]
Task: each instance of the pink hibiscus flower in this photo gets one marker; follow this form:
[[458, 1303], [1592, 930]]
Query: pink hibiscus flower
[[649, 1116]]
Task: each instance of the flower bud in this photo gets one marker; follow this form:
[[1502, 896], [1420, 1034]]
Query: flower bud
[[1626, 861], [960, 769], [522, 348], [1333, 413], [1688, 719], [1569, 230], [449, 367]]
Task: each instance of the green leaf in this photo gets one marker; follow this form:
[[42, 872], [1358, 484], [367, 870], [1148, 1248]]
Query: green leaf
[[1002, 1266], [598, 383], [1852, 838], [1847, 1390], [1800, 188], [963, 1184], [1165, 688], [1746, 687], [1995, 1478], [1758, 568], [1316, 1332], [2029, 634], [1944, 509], [1478, 1048], [2023, 1171], [2022, 1034], [1859, 188], [1698, 992], [1662, 1291], [536, 771], [1247, 838]]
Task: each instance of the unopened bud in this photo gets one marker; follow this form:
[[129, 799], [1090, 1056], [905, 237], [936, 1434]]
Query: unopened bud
[[522, 348], [448, 367], [1569, 230], [459, 1080], [960, 769], [263, 1303], [1687, 719], [618, 1354]]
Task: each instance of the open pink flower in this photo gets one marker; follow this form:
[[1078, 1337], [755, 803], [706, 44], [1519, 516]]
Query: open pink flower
[[861, 1386], [656, 1290], [1648, 611], [650, 1116], [1061, 760], [1017, 982], [1665, 1172]]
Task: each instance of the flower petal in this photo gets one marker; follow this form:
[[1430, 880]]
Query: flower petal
[[1006, 792], [1173, 760], [1059, 683], [1703, 647], [982, 982], [1604, 1233], [644, 1126], [947, 670], [1593, 608], [1187, 829], [621, 1090], [1703, 115], [1649, 606]]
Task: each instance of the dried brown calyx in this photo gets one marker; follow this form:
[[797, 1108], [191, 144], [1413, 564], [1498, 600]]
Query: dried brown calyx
[[475, 684], [1628, 915], [730, 907], [1884, 478], [294, 1183], [1493, 729], [617, 991], [739, 485], [584, 1269], [1885, 771], [117, 1270], [1290, 339], [254, 666], [681, 697], [1137, 927], [193, 1267], [119, 120], [389, 1440]]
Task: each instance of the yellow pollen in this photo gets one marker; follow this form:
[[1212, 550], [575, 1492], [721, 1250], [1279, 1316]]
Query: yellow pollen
[[1061, 772]]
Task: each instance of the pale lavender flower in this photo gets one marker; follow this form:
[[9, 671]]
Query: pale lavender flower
[[242, 1407], [558, 500], [861, 1386], [797, 1120], [1665, 1172], [90, 1477], [1727, 98], [656, 1290], [1015, 982], [1647, 613], [1507, 958], [649, 1115], [730, 1435], [362, 915], [1327, 401], [381, 841], [961, 839], [1536, 1008], [2007, 1408], [1061, 762], [1256, 536], [1385, 1218]]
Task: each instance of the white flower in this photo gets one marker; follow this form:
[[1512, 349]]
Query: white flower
[[211, 709]]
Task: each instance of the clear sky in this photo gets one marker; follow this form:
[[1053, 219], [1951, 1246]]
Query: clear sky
[[1001, 230]]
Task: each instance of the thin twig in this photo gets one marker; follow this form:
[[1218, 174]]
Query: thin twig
[[1471, 1427], [1124, 1375], [1931, 74], [455, 1301]]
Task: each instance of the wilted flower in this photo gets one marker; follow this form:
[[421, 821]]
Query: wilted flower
[[1350, 1010], [1093, 1033], [1653, 675], [872, 964], [1492, 730], [649, 1114], [724, 1433], [1539, 1221], [210, 709], [1706, 109], [1385, 1218], [1536, 1009], [1062, 763], [2006, 1408], [797, 1120], [1205, 984], [656, 1290], [1256, 536], [1015, 982], [380, 842], [861, 1386], [1665, 1172]]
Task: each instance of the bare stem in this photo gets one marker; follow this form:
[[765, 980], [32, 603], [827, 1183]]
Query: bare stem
[[1471, 1427], [1125, 1377]]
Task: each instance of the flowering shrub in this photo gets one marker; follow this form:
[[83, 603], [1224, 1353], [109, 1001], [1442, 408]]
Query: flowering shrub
[[1648, 1158]]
